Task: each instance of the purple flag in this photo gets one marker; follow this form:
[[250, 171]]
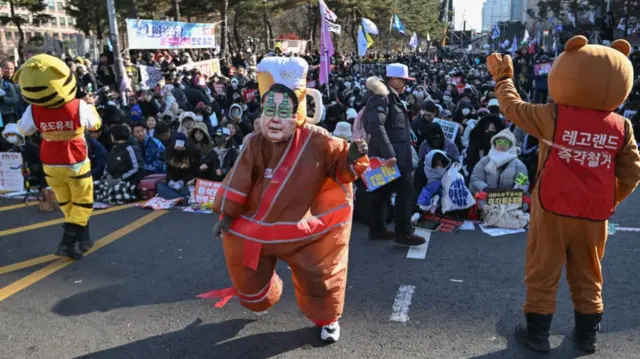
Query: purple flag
[[326, 46]]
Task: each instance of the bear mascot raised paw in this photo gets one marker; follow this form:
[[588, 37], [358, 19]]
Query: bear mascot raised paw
[[588, 164], [48, 84]]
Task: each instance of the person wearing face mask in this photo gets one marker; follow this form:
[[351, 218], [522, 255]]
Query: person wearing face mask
[[387, 121], [435, 139], [30, 152], [501, 167], [219, 161], [480, 139]]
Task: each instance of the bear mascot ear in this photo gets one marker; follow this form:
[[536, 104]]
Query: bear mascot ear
[[622, 46], [575, 43]]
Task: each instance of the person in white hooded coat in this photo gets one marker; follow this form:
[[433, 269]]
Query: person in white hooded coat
[[501, 167]]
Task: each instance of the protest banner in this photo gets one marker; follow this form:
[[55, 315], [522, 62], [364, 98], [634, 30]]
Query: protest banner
[[150, 76], [377, 175], [439, 223], [11, 178], [207, 67], [220, 89], [542, 69], [205, 191], [249, 94], [159, 203], [505, 196], [156, 34], [449, 128]]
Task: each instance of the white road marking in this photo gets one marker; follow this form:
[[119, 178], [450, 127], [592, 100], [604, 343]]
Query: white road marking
[[628, 229], [457, 280], [419, 252], [402, 303]]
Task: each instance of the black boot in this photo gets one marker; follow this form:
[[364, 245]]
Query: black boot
[[587, 326], [535, 333], [68, 246], [85, 241]]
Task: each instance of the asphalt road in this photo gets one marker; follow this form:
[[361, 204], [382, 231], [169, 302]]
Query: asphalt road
[[135, 296]]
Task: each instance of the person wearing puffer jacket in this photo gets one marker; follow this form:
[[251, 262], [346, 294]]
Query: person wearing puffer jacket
[[187, 122], [501, 167]]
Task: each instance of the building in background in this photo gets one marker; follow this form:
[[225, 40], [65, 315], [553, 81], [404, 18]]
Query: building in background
[[61, 26], [494, 11]]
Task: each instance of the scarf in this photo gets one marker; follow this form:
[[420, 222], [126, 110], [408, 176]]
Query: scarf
[[498, 159], [434, 174]]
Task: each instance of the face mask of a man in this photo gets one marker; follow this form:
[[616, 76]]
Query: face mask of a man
[[278, 120]]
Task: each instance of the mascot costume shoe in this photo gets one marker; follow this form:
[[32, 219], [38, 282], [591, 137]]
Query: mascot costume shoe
[[588, 164], [50, 87], [289, 197]]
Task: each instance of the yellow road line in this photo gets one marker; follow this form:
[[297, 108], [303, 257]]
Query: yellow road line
[[52, 222], [40, 274], [19, 205], [28, 263]]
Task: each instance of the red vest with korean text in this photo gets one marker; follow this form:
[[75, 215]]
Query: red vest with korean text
[[63, 142], [578, 178]]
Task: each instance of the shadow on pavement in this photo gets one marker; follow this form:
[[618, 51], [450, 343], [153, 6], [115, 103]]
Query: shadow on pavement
[[505, 328], [111, 297], [214, 341]]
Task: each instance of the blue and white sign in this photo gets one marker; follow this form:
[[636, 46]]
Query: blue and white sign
[[154, 34]]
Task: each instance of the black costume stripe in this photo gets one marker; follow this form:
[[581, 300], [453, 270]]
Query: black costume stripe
[[35, 88], [85, 205], [42, 99], [68, 80]]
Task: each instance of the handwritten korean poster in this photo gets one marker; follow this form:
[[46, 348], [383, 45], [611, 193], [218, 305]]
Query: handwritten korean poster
[[11, 178], [205, 191], [506, 196]]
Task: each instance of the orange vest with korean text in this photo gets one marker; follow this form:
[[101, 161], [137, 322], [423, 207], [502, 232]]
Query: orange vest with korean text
[[63, 141], [578, 177]]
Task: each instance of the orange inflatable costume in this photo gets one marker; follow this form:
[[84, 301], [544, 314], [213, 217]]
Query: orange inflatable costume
[[588, 163], [289, 197]]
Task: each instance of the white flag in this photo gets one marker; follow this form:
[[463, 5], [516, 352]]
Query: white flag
[[326, 12], [572, 19], [369, 27], [333, 27], [413, 43], [526, 35]]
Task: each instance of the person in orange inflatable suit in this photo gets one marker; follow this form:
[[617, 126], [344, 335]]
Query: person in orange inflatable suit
[[588, 164], [289, 197]]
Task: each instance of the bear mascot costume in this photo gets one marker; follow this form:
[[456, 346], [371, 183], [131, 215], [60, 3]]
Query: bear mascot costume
[[588, 163], [49, 86], [289, 197]]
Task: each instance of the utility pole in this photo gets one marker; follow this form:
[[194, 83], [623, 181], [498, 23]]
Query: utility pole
[[115, 40]]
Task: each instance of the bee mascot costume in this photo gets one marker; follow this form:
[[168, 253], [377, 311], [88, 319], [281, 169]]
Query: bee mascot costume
[[588, 164], [50, 87]]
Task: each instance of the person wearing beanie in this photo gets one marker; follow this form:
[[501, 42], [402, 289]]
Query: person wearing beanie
[[351, 115], [343, 130], [183, 163], [501, 167], [435, 139], [187, 122], [125, 160], [493, 106]]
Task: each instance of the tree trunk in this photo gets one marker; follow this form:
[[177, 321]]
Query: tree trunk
[[267, 44], [354, 32], [176, 9], [223, 27], [99, 27], [236, 35], [134, 10], [20, 31]]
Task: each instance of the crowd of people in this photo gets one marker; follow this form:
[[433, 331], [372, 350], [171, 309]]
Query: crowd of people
[[438, 110]]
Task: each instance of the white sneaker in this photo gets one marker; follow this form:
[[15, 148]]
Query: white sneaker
[[330, 333], [259, 314]]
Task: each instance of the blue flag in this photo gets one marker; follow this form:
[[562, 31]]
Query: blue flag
[[397, 25], [495, 32]]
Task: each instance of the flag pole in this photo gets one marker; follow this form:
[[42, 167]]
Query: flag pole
[[389, 36]]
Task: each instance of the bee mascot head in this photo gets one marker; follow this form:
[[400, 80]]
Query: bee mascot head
[[46, 81]]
